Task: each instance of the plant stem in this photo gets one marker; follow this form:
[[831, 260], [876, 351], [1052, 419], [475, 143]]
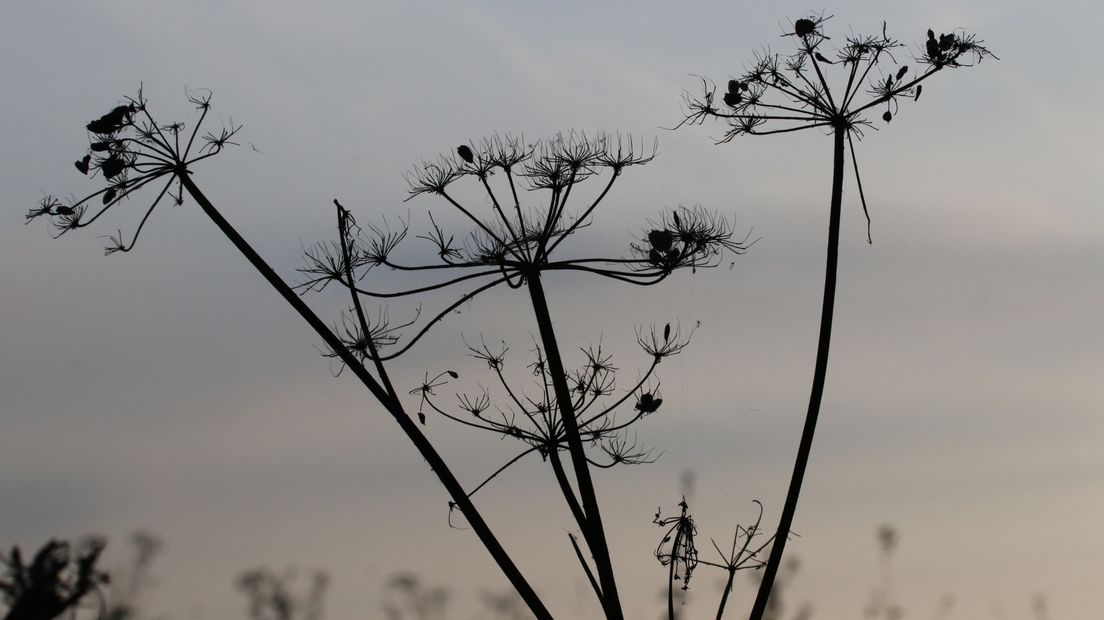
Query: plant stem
[[343, 231], [393, 406], [586, 567], [724, 596], [805, 447], [671, 575], [593, 532], [565, 488]]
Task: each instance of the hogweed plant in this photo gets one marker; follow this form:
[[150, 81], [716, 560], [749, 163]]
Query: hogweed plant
[[575, 420], [831, 88], [570, 411]]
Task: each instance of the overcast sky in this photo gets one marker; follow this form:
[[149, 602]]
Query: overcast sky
[[170, 389]]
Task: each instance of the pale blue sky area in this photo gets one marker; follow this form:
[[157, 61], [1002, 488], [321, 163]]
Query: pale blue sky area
[[170, 389]]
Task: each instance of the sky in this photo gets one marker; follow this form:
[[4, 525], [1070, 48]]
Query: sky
[[170, 389]]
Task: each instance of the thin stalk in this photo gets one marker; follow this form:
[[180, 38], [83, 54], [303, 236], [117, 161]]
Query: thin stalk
[[805, 447], [727, 589], [586, 567], [568, 492], [343, 230], [671, 576], [594, 532], [393, 406]]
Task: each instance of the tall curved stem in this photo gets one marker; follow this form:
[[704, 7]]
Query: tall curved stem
[[805, 447]]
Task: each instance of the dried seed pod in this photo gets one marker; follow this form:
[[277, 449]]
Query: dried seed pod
[[465, 153], [648, 403], [822, 59], [112, 121], [112, 166], [733, 99], [902, 71], [919, 87], [887, 116], [98, 126], [804, 27], [82, 164], [109, 195], [64, 210], [660, 240], [932, 47]]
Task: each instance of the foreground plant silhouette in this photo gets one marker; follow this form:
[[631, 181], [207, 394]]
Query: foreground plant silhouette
[[277, 596], [782, 94], [57, 580], [513, 245]]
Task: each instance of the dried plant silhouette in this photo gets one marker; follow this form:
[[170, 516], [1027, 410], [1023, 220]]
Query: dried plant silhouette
[[58, 583], [128, 594], [883, 601], [408, 598], [833, 89], [778, 607], [570, 410], [532, 198], [278, 596], [59, 579], [678, 551], [574, 413]]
